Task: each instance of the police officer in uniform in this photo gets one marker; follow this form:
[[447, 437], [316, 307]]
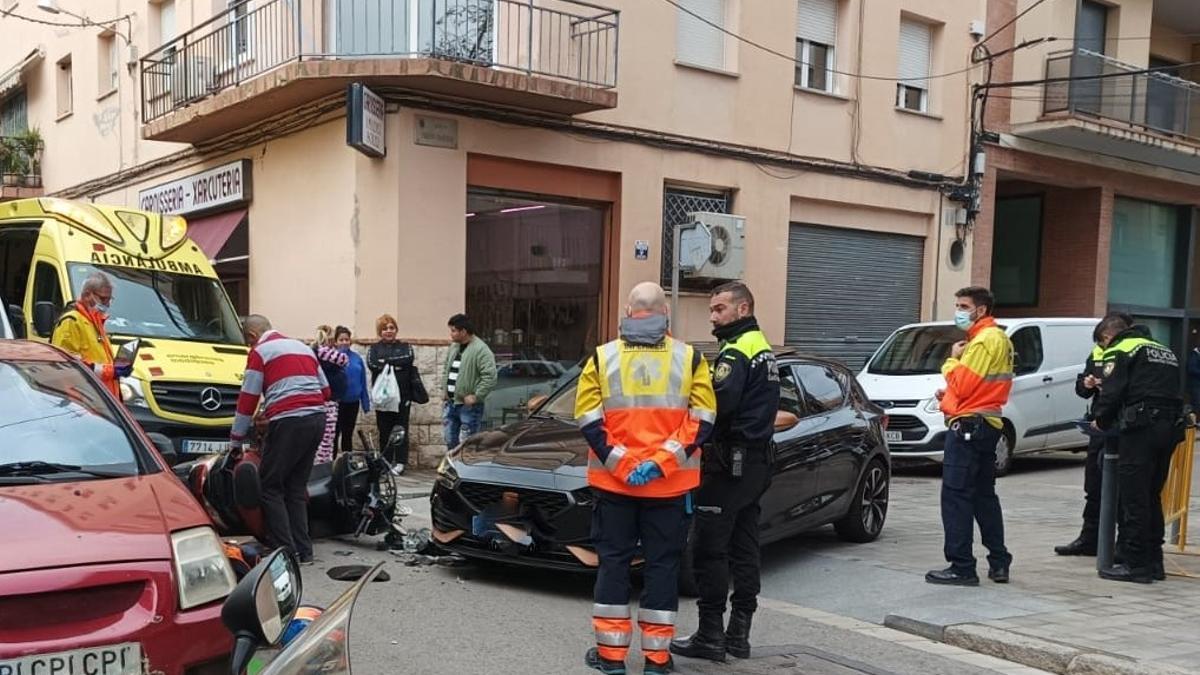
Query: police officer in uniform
[[1087, 385], [736, 471], [1139, 397]]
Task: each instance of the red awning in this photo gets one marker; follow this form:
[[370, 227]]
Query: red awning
[[211, 232]]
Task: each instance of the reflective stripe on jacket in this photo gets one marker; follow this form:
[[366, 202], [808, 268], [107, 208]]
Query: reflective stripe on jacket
[[650, 402], [80, 331], [979, 382]]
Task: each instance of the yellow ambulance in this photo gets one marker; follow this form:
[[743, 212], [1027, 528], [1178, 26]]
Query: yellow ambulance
[[192, 355]]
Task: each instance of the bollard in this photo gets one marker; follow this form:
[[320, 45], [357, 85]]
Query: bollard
[[1108, 507]]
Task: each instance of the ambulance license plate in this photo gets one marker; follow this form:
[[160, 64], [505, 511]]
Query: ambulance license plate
[[194, 447], [892, 436], [122, 659]]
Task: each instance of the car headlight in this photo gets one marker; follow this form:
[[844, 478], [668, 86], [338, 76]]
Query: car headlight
[[933, 406], [201, 568], [132, 393], [446, 473]]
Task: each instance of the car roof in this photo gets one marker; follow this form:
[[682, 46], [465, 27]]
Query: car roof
[[26, 350], [1019, 321]]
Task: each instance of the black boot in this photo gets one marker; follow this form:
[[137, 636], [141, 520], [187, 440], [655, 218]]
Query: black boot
[[1078, 547], [708, 642], [737, 636]]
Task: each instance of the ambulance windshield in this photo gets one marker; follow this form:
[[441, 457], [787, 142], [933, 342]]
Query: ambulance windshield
[[168, 305]]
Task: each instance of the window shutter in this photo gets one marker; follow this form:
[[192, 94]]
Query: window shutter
[[698, 43], [816, 21], [166, 21], [915, 42]]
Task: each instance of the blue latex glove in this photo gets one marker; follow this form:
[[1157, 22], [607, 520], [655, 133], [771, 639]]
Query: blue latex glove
[[124, 370], [644, 473]]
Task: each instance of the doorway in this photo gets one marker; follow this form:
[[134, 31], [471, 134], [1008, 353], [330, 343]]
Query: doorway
[[535, 281]]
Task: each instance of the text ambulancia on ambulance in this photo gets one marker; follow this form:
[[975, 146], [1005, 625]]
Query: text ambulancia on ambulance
[[191, 358]]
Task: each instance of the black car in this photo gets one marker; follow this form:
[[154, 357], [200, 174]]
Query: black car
[[519, 494]]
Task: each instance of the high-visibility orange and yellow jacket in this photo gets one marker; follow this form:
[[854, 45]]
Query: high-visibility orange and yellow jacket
[[638, 402], [979, 381], [80, 331]]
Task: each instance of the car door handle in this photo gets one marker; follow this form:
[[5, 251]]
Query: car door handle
[[1047, 379]]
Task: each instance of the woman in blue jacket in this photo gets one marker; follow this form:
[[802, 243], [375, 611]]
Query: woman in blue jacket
[[356, 396]]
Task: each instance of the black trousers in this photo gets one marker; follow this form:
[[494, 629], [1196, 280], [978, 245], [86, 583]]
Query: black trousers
[[618, 524], [346, 420], [387, 421], [727, 513], [1093, 473], [287, 460], [969, 496], [1144, 459]]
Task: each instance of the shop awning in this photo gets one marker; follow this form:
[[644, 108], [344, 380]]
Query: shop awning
[[11, 78], [211, 232]]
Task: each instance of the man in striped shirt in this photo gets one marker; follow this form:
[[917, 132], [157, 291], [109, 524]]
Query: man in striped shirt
[[285, 374]]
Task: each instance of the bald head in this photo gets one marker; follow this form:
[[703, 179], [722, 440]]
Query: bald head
[[647, 297], [254, 327]]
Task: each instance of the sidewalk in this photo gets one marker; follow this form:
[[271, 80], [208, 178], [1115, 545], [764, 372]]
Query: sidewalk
[[1058, 601]]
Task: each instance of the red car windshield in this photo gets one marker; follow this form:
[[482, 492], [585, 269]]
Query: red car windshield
[[55, 423]]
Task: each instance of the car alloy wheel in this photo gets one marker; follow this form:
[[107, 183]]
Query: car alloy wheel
[[1004, 457], [874, 499]]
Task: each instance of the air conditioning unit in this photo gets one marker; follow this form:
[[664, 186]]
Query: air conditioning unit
[[192, 78], [713, 246]]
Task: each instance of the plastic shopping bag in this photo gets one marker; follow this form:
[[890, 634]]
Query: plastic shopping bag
[[385, 395]]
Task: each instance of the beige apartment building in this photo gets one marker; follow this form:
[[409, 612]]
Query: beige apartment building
[[1092, 183], [529, 159]]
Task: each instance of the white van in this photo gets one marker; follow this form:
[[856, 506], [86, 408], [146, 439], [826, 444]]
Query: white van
[[905, 372]]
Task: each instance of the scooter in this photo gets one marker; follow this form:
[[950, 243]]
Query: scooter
[[355, 494], [261, 613]]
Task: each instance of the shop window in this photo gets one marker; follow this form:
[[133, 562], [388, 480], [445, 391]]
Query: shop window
[[677, 204], [1148, 263], [1017, 251]]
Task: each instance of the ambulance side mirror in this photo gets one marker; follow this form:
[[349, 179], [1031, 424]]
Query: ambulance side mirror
[[44, 314]]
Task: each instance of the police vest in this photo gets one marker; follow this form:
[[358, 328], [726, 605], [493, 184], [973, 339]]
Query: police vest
[[751, 344]]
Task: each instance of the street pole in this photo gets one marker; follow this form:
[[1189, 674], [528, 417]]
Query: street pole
[[1108, 506]]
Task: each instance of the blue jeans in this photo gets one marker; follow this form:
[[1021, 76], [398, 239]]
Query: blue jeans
[[460, 421], [969, 496]]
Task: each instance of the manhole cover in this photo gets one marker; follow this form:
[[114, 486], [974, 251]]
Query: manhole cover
[[781, 660]]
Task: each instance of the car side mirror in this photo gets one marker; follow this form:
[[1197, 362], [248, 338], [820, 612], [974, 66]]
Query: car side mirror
[[44, 314], [165, 447], [785, 420], [261, 606], [16, 316]]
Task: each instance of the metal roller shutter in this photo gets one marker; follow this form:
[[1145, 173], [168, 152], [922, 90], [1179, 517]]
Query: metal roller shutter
[[847, 290]]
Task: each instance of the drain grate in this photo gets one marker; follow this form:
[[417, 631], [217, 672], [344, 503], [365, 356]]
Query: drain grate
[[781, 660]]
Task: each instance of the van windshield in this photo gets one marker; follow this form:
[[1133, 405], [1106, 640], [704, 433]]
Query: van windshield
[[155, 304], [919, 350]]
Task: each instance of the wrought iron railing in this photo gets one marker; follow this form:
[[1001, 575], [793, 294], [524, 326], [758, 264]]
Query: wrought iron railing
[[1103, 87], [21, 160], [561, 39]]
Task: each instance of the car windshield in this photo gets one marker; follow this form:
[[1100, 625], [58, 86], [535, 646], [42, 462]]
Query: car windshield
[[562, 404], [919, 350], [54, 415], [154, 304]]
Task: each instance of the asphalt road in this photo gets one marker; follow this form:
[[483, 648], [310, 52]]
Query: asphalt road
[[823, 600]]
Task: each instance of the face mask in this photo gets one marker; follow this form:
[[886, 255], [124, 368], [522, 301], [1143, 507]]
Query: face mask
[[962, 318], [101, 307]]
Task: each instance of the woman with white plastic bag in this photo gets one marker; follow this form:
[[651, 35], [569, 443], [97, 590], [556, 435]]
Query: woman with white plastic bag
[[393, 366]]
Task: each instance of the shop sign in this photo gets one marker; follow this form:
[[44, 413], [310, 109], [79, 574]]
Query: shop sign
[[437, 132], [365, 121], [205, 191]]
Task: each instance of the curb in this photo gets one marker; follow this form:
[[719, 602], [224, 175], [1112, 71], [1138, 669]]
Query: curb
[[1027, 650]]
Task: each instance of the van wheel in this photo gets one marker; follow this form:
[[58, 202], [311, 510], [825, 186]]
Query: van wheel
[[864, 521], [1004, 450]]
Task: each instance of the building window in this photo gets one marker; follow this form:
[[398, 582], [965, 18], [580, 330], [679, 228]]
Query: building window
[[816, 34], [1017, 251], [14, 116], [162, 20], [65, 87], [916, 49], [240, 35], [1148, 263], [677, 204], [108, 63], [699, 43]]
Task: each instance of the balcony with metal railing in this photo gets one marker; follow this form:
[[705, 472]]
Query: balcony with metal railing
[[260, 58], [1095, 103]]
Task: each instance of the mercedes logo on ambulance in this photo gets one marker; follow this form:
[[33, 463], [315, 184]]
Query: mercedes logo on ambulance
[[210, 399]]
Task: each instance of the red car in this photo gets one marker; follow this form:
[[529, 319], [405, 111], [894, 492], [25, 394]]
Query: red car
[[108, 566]]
